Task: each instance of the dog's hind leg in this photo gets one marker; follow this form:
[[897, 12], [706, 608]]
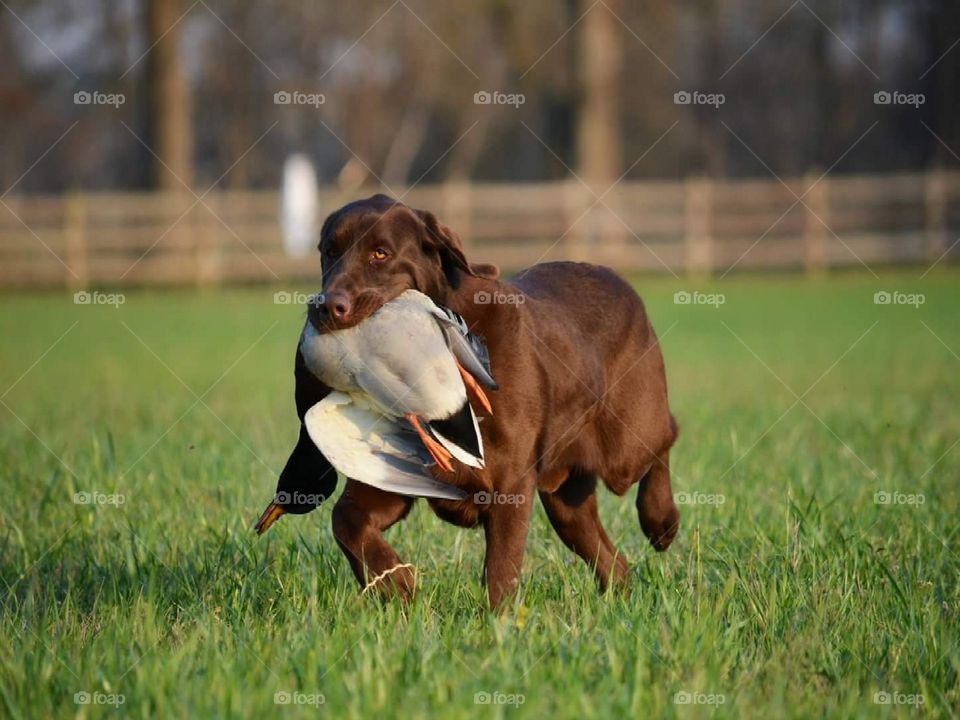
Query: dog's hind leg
[[658, 514], [572, 510], [360, 517]]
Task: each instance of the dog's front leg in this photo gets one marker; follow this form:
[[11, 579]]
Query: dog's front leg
[[360, 517], [506, 525]]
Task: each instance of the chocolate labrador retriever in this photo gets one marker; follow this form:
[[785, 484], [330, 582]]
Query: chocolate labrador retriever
[[583, 395]]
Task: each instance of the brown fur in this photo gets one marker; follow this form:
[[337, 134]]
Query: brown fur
[[582, 396]]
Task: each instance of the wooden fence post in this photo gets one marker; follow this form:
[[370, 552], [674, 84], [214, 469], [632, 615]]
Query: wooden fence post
[[457, 210], [935, 214], [814, 229], [615, 232], [576, 200], [698, 239], [208, 259], [75, 240]]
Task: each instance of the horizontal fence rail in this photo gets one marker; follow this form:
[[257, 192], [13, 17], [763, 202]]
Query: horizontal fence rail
[[696, 225]]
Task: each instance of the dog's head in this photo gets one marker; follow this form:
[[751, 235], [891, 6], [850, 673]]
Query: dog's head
[[374, 249]]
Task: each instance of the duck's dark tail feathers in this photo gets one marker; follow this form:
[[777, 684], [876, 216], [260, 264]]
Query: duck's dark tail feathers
[[460, 435]]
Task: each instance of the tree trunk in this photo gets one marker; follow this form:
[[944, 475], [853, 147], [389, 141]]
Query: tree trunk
[[599, 143], [406, 143], [169, 120]]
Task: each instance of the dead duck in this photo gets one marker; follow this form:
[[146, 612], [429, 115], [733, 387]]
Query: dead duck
[[402, 381]]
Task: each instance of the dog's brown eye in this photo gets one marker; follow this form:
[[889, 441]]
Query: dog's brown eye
[[379, 254]]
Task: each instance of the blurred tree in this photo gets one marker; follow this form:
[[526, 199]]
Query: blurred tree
[[169, 117], [399, 81], [599, 141], [941, 78]]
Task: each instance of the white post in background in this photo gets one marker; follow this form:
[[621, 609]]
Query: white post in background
[[698, 241], [299, 207]]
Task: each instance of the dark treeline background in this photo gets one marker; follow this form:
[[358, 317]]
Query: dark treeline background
[[399, 80]]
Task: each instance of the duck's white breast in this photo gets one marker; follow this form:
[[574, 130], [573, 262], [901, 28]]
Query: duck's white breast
[[400, 350]]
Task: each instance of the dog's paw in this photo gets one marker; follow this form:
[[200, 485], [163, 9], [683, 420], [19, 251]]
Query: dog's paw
[[660, 528]]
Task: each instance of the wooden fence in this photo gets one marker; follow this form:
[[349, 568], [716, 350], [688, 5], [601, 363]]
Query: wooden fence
[[692, 226]]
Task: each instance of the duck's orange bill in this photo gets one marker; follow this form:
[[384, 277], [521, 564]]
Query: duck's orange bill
[[268, 518]]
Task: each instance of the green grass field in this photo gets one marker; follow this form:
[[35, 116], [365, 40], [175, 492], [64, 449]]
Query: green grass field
[[793, 589]]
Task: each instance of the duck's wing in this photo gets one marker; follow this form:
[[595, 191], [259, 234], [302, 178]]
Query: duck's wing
[[373, 449], [409, 371], [467, 347], [443, 406], [391, 388]]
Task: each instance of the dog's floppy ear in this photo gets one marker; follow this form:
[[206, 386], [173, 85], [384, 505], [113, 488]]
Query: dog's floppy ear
[[447, 245], [326, 231]]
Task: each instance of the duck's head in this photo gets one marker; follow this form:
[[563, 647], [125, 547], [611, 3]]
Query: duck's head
[[374, 249], [305, 483]]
